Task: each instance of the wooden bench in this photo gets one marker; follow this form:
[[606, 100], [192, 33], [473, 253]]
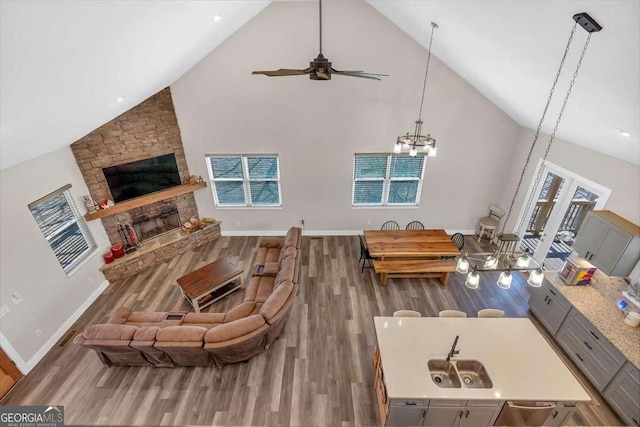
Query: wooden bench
[[414, 269]]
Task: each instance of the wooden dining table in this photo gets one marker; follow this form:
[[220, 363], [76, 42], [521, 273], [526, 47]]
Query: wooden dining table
[[409, 244]]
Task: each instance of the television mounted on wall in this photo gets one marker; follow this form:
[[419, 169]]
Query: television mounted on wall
[[135, 179]]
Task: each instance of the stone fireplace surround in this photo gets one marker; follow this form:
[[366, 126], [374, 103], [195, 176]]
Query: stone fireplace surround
[[147, 130]]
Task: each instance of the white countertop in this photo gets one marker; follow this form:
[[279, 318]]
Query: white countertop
[[520, 362]]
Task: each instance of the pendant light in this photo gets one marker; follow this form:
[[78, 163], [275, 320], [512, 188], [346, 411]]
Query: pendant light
[[414, 141], [508, 261]]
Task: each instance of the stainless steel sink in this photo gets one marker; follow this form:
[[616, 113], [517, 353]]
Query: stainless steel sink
[[443, 373], [473, 374]]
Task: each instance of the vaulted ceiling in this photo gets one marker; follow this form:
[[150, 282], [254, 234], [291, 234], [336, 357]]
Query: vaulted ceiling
[[66, 65]]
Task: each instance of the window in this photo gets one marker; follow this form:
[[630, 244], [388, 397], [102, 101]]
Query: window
[[245, 180], [64, 228], [387, 179]]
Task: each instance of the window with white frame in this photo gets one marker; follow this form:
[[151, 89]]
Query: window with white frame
[[387, 179], [64, 228], [251, 180]]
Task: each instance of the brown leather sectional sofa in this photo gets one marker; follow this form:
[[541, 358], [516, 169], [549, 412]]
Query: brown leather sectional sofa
[[166, 339]]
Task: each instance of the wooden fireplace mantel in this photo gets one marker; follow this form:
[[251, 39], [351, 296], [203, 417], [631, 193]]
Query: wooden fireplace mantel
[[144, 200]]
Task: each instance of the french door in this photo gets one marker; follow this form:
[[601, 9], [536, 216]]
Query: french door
[[553, 220]]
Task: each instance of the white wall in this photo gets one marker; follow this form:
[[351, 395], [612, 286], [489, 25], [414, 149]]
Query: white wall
[[316, 127], [28, 264], [622, 178]]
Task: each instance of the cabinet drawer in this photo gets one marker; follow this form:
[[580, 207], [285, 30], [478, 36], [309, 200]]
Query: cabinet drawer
[[623, 393], [600, 339], [435, 403], [592, 345], [577, 351], [472, 403], [409, 402]]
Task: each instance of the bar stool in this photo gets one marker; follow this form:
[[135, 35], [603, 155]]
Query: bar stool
[[488, 224], [407, 313]]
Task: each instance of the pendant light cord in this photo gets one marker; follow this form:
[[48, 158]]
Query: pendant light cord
[[426, 73], [537, 134], [320, 15]]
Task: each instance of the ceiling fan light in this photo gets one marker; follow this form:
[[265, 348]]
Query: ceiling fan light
[[504, 281], [462, 266], [473, 280], [535, 278], [413, 152]]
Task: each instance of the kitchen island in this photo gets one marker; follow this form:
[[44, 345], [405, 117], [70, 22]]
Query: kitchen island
[[520, 363]]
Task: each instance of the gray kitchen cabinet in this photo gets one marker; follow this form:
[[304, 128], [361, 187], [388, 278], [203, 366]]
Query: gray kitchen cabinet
[[478, 416], [562, 412], [471, 414], [549, 306], [623, 394], [596, 357], [609, 242], [406, 415], [442, 416]]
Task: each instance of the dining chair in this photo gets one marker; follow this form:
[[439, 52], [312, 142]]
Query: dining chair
[[452, 313], [490, 312], [364, 254], [415, 225], [407, 313], [390, 225], [458, 240], [489, 223]]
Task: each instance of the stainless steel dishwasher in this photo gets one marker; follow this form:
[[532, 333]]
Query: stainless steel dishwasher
[[525, 413]]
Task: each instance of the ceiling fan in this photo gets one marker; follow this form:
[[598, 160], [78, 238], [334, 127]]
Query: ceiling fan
[[320, 68]]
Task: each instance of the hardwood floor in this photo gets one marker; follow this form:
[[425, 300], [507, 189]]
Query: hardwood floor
[[317, 374]]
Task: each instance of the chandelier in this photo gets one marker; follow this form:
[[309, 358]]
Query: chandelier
[[413, 142], [507, 258]]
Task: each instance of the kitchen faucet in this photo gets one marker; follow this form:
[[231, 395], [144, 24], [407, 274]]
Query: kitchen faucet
[[453, 350]]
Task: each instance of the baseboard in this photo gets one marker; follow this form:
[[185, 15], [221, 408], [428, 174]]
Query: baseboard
[[13, 354], [316, 232], [64, 328]]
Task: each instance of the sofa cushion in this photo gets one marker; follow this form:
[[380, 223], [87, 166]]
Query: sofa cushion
[[291, 239], [202, 318], [234, 329], [181, 334], [265, 287], [277, 300], [271, 242], [287, 269], [109, 332], [141, 318], [287, 252], [146, 333], [273, 255], [238, 312], [251, 290], [119, 316]]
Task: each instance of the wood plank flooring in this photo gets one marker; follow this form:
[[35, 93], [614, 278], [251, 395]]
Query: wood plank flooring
[[317, 374]]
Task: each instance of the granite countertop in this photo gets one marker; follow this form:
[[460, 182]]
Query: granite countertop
[[597, 302], [521, 363]]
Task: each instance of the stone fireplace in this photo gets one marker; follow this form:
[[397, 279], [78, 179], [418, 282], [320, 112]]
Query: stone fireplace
[[149, 129], [155, 219]]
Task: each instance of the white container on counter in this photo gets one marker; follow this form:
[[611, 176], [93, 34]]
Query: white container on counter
[[632, 319]]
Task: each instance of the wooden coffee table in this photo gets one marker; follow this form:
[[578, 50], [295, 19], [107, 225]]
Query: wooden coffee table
[[208, 284]]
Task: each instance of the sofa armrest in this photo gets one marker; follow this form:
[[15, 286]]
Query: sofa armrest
[[266, 269]]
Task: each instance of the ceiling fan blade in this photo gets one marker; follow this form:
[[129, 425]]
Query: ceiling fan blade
[[364, 76], [283, 72]]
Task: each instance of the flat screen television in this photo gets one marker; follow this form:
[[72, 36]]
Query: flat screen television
[[136, 179]]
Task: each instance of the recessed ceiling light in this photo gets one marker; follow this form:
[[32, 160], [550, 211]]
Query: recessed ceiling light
[[120, 99], [623, 132], [217, 18]]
